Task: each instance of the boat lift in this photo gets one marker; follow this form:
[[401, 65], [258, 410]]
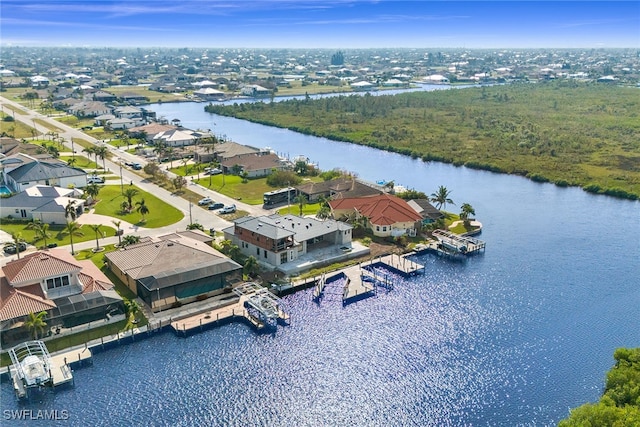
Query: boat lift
[[267, 306], [30, 366]]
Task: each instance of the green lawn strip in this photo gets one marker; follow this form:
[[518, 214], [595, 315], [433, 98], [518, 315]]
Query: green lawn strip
[[250, 192], [81, 162], [460, 229], [48, 125], [160, 213], [57, 233], [82, 143], [151, 95], [309, 209], [15, 128]]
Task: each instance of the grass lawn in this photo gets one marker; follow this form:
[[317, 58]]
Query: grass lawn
[[251, 192], [309, 209], [153, 96], [16, 128], [48, 125], [160, 213], [82, 143], [98, 259], [81, 162], [56, 231]]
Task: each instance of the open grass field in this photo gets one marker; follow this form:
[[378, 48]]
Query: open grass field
[[58, 236], [250, 192], [15, 129], [160, 213], [152, 96], [569, 133]]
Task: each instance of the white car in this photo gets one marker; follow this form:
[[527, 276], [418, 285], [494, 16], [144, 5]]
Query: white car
[[95, 179], [228, 209], [214, 171], [205, 201]]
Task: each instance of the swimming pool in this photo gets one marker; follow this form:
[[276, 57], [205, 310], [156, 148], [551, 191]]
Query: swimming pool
[[4, 190]]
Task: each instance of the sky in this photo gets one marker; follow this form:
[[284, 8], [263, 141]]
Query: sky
[[320, 23]]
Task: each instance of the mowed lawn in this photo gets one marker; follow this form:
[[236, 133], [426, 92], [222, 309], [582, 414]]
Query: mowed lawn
[[250, 192], [160, 213], [58, 236]]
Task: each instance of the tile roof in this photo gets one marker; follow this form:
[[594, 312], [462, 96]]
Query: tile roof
[[37, 265], [20, 302], [384, 209], [254, 161]]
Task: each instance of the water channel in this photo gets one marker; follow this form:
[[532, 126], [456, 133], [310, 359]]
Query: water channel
[[516, 336]]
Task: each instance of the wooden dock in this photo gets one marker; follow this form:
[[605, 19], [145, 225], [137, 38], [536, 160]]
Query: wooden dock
[[355, 286], [61, 372]]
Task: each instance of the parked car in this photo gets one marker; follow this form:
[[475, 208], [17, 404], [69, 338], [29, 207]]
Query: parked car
[[214, 171], [216, 205], [94, 179], [205, 201], [136, 166], [228, 209], [10, 248]]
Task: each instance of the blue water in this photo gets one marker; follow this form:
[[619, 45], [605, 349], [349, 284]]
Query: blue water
[[516, 336], [4, 190]]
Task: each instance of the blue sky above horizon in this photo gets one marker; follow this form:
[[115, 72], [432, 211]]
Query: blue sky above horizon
[[320, 23]]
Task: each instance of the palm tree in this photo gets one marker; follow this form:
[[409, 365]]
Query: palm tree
[[466, 211], [130, 239], [70, 210], [441, 197], [169, 151], [35, 324], [117, 224], [301, 201], [41, 229], [160, 149], [132, 309], [73, 229], [129, 193], [96, 229], [90, 150], [102, 152], [142, 209], [17, 240], [92, 191], [250, 267]]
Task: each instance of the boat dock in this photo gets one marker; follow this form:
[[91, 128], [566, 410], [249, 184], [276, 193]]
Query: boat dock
[[454, 244], [255, 305], [33, 366], [363, 279]]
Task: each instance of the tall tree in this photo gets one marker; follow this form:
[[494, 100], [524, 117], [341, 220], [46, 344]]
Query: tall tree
[[142, 208], [35, 324], [466, 210], [70, 210], [129, 193], [17, 241], [132, 309], [96, 229], [92, 191], [118, 231], [73, 229], [301, 201], [41, 230], [441, 197], [102, 151]]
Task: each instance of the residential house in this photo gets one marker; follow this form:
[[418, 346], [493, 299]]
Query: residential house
[[43, 202], [209, 94], [128, 112], [21, 171], [385, 215], [176, 137], [223, 150], [151, 130], [118, 123], [103, 96], [89, 109], [175, 269], [343, 187], [256, 165], [276, 240], [255, 91], [71, 292], [428, 212]]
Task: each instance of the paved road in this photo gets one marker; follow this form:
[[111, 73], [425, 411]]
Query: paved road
[[191, 212]]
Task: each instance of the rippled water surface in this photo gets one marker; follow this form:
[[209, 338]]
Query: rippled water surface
[[516, 336]]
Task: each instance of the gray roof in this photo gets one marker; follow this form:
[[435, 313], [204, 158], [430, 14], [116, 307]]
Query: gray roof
[[38, 171], [171, 262], [277, 226]]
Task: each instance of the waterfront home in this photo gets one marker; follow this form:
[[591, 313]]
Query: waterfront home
[[176, 137], [128, 112], [209, 94], [362, 86], [173, 270], [428, 212], [255, 91], [385, 215], [291, 243], [42, 202], [343, 187], [121, 123], [256, 165], [222, 150], [151, 130], [71, 292], [88, 109], [21, 171]]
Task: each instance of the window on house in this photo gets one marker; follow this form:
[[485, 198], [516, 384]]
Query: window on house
[[258, 251], [377, 228], [283, 258], [384, 228], [57, 282]]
